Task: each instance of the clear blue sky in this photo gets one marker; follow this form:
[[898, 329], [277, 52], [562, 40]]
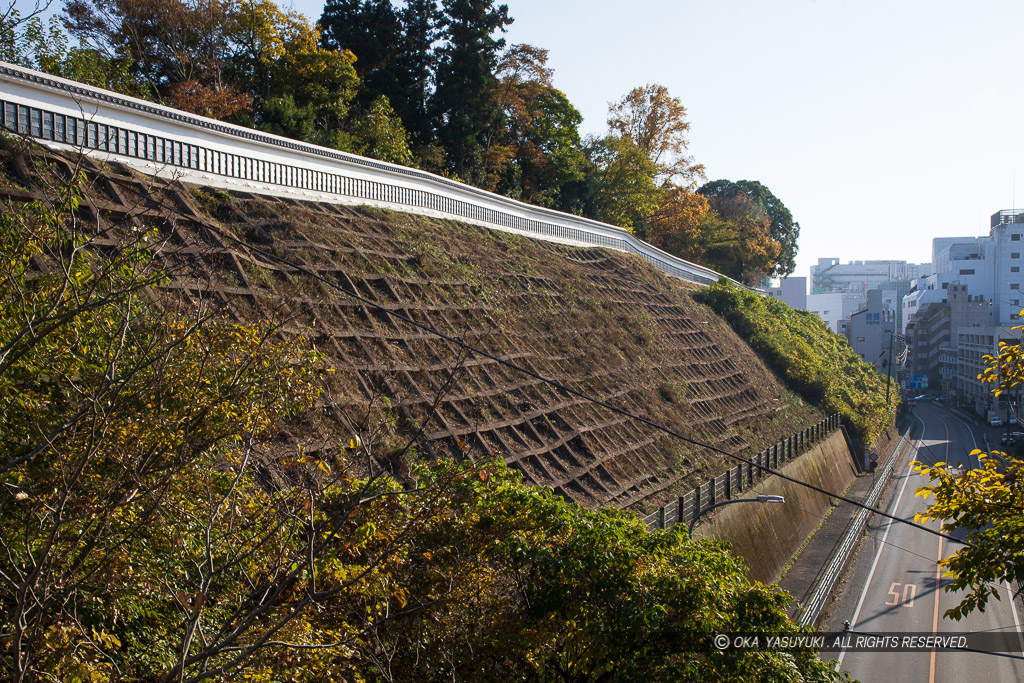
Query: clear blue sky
[[879, 124]]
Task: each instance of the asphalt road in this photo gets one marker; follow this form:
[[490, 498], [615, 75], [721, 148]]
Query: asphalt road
[[894, 584]]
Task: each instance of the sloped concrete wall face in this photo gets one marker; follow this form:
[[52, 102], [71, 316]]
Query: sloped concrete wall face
[[767, 535]]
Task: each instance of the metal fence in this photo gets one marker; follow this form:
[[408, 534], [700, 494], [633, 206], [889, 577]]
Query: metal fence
[[826, 580], [158, 140], [741, 478]]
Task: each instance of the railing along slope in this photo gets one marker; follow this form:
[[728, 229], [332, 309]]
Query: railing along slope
[[166, 142]]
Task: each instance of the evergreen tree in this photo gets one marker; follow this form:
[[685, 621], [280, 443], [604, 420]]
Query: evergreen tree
[[783, 229], [370, 29], [419, 20], [464, 103]]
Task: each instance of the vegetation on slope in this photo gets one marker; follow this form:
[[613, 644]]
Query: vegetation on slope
[[432, 85], [158, 526], [816, 363]]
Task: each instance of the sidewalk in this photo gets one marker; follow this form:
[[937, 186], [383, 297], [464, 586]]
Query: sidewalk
[[799, 579]]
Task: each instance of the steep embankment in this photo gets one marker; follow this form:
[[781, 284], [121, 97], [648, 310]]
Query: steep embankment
[[600, 322], [818, 364]]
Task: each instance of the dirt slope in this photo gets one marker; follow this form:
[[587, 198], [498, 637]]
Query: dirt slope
[[601, 322]]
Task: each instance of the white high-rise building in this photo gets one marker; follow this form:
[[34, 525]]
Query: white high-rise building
[[989, 269]]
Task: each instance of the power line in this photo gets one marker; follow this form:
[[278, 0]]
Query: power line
[[551, 382], [871, 534]]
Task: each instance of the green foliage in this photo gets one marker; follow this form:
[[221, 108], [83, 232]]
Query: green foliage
[[736, 240], [623, 191], [539, 140], [814, 361], [540, 589], [380, 134], [985, 504], [155, 530], [464, 104], [120, 422], [44, 46], [781, 228]]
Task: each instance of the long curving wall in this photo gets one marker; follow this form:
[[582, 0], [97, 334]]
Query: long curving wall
[[166, 142]]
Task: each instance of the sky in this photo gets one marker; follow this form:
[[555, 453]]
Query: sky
[[879, 124]]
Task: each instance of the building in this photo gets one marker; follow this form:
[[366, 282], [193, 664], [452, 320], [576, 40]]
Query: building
[[931, 334], [1007, 279], [990, 268], [870, 329], [833, 308], [972, 345], [791, 291], [854, 279], [857, 277]]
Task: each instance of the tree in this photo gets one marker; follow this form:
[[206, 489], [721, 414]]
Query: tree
[[986, 505], [259, 33], [179, 49], [782, 229], [640, 177], [29, 42], [622, 189], [379, 134], [414, 67], [367, 28], [656, 123], [549, 591], [736, 239], [394, 53], [312, 91], [463, 105], [678, 224], [540, 131], [18, 32]]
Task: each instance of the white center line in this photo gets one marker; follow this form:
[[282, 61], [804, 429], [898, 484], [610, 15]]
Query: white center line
[[878, 555]]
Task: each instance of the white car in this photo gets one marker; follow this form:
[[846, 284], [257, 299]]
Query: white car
[[995, 421]]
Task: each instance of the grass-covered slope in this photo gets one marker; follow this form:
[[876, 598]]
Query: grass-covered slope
[[815, 362], [189, 497]]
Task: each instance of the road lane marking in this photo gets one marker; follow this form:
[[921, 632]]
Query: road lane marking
[[909, 593], [874, 565], [970, 431], [1009, 591], [935, 617]]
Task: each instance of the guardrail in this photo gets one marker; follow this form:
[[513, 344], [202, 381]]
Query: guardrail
[[740, 478], [166, 142], [834, 566]]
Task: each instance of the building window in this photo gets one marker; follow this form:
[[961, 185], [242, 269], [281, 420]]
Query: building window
[[1015, 254], [967, 271], [1014, 285], [1015, 237], [860, 339]]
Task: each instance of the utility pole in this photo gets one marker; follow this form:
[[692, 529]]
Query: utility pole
[[888, 380]]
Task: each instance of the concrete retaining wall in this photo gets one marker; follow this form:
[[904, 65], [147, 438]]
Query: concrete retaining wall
[[767, 535]]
